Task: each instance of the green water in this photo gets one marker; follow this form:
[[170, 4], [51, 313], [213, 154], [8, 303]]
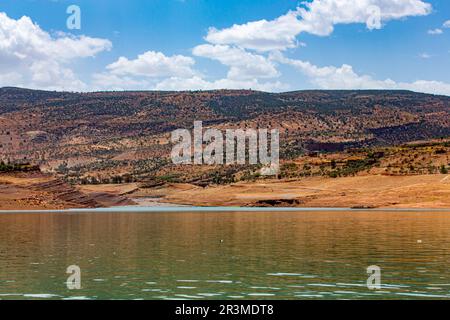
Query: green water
[[226, 255]]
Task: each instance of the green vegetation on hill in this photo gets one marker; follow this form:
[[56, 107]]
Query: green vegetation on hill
[[125, 136], [6, 167]]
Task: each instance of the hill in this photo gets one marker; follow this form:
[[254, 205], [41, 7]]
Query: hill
[[123, 136]]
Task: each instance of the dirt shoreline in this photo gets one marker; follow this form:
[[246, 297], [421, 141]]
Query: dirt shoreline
[[37, 191], [362, 192]]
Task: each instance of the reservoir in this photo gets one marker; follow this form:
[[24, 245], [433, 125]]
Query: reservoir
[[225, 255]]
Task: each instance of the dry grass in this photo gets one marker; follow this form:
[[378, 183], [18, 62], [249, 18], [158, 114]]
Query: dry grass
[[424, 191]]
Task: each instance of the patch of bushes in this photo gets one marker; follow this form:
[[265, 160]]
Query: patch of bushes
[[13, 167]]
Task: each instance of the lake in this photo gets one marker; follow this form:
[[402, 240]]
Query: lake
[[225, 255]]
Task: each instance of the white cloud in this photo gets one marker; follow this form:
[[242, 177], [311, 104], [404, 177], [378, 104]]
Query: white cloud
[[439, 31], [331, 77], [344, 77], [425, 55], [154, 64], [427, 86], [434, 32], [197, 83], [107, 81], [243, 65], [31, 57], [11, 78], [317, 17], [320, 17], [261, 35], [155, 71]]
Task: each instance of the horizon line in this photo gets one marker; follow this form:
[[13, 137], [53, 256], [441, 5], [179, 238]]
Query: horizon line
[[226, 90]]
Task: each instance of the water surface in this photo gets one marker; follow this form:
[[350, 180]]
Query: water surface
[[225, 255]]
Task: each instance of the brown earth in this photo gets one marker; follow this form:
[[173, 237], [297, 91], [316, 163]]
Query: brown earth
[[121, 137], [31, 191], [38, 191], [373, 191]]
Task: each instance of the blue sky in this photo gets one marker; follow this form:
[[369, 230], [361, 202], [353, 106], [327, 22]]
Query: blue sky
[[277, 45]]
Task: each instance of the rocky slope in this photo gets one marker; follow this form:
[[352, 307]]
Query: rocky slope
[[35, 190], [111, 137]]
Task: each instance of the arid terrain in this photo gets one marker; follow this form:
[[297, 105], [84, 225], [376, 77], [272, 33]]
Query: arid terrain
[[337, 148], [37, 191], [430, 191]]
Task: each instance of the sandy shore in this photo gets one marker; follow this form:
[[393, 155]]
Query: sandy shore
[[425, 191], [37, 191]]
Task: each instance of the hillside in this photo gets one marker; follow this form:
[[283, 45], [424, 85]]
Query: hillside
[[33, 190], [123, 136]]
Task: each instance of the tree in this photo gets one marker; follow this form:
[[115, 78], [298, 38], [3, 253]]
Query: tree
[[333, 164]]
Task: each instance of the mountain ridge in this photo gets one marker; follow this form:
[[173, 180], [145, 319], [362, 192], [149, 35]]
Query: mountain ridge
[[119, 133], [12, 88]]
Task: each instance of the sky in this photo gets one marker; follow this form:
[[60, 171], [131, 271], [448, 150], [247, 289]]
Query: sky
[[267, 45]]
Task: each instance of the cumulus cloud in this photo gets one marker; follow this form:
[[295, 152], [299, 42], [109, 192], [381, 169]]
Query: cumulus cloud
[[331, 77], [317, 17], [344, 77], [107, 81], [154, 64], [320, 17], [198, 83], [427, 86], [261, 35], [243, 65], [31, 57], [155, 71], [434, 32], [439, 31]]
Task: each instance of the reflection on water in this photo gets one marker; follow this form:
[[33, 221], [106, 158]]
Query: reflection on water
[[231, 255]]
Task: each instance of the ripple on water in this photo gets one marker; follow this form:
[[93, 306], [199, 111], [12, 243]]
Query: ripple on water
[[352, 285], [260, 294], [220, 281], [321, 269], [154, 290], [394, 286], [211, 294], [41, 295], [421, 295], [345, 292], [281, 274], [77, 298], [321, 285], [187, 296], [309, 296]]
